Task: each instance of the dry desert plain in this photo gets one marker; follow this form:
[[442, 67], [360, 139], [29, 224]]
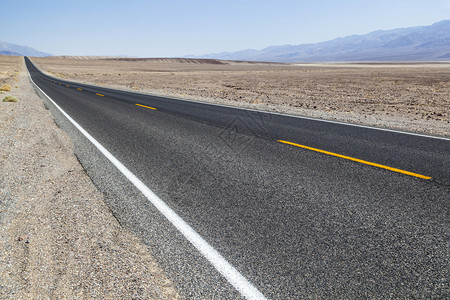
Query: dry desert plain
[[406, 96]]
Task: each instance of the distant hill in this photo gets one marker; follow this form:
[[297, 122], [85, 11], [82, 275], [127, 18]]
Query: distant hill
[[424, 43], [10, 53], [13, 49]]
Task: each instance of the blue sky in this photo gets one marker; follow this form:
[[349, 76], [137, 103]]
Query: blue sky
[[178, 28]]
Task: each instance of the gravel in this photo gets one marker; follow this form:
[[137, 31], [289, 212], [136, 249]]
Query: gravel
[[58, 239]]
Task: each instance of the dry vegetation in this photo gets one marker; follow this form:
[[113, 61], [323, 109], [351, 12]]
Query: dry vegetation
[[5, 88], [10, 99], [412, 97]]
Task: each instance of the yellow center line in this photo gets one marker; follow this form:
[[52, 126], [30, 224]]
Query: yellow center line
[[100, 95], [357, 160], [146, 106], [79, 89], [67, 85]]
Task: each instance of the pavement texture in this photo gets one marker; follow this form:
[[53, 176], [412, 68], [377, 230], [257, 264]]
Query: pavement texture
[[296, 223]]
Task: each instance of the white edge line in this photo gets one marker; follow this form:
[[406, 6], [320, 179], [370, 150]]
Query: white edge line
[[263, 111], [236, 279]]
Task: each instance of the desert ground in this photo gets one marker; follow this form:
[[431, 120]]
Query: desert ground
[[9, 69], [408, 96]]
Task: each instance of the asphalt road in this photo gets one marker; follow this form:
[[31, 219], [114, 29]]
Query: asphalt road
[[297, 222]]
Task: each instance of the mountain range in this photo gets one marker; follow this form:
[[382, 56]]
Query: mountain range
[[423, 43], [13, 49]]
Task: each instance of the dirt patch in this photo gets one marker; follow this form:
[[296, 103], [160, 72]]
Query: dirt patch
[[412, 97], [58, 238], [9, 70]]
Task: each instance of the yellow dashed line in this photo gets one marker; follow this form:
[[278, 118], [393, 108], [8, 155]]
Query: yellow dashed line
[[100, 95], [79, 89], [146, 106], [357, 160]]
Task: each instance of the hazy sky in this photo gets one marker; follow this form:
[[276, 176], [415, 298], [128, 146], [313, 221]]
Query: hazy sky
[[178, 28]]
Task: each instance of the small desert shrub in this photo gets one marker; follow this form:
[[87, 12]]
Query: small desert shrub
[[10, 99], [5, 88]]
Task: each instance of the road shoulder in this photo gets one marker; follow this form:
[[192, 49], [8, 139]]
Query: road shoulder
[[58, 237]]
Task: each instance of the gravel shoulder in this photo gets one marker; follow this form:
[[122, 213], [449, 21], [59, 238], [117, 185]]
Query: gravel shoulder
[[58, 237], [410, 97]]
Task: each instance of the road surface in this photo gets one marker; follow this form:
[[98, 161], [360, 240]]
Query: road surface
[[301, 208]]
